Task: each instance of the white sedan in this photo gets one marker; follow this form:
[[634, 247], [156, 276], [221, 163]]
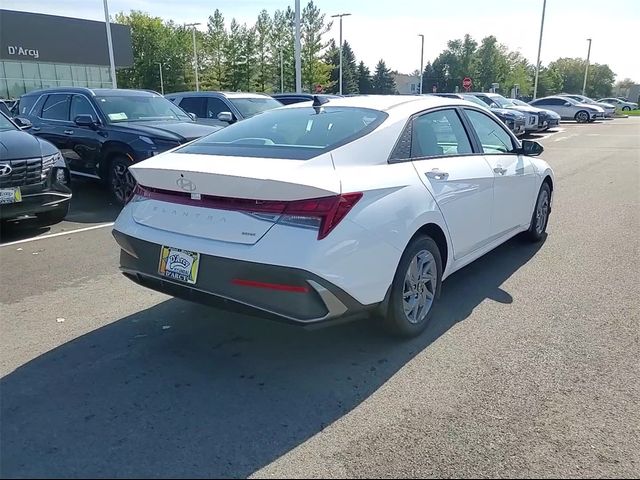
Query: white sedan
[[350, 207]]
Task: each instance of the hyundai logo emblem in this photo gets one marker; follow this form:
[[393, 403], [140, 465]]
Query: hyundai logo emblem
[[5, 170], [186, 184]]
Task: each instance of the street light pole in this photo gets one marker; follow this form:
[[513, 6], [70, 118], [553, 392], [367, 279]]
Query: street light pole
[[281, 71], [340, 15], [586, 71], [421, 61], [296, 48], [161, 81], [195, 52], [535, 87], [112, 63]]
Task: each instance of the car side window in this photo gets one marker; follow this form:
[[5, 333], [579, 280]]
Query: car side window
[[57, 107], [81, 106], [215, 106], [493, 138], [439, 134], [195, 105]]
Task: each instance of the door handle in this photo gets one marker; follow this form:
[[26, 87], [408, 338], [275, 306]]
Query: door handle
[[437, 175], [499, 170], [69, 132], [36, 129]]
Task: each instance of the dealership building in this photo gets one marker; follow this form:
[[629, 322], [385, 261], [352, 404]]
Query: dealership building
[[43, 51]]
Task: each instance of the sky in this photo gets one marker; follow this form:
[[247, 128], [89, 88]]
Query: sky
[[389, 30]]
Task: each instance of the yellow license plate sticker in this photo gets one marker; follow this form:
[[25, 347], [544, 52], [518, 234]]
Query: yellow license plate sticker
[[10, 195], [178, 264]]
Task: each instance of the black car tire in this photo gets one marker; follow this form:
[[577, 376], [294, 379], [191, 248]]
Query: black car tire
[[396, 320], [54, 216], [540, 216], [121, 182], [582, 116], [626, 109]]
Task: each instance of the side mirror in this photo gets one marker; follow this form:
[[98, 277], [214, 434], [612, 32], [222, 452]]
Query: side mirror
[[23, 123], [531, 149], [85, 121], [226, 117], [193, 116]]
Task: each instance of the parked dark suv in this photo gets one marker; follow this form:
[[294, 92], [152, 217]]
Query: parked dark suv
[[34, 180], [223, 108], [101, 132]]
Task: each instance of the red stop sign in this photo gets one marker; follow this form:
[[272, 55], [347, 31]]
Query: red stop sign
[[466, 83]]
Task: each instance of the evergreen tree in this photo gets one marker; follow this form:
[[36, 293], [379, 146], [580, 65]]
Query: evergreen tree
[[364, 79], [313, 28], [264, 25], [214, 43], [383, 82]]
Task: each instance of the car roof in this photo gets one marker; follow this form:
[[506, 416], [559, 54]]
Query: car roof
[[102, 92], [401, 105], [218, 94]]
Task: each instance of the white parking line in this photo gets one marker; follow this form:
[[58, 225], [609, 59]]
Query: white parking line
[[59, 234]]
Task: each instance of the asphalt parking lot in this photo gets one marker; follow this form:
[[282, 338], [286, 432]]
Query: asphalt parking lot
[[530, 368]]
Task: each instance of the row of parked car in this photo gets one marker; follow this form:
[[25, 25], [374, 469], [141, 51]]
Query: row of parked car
[[99, 133]]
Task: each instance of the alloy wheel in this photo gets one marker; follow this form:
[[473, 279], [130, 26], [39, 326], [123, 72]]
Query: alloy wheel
[[420, 285]]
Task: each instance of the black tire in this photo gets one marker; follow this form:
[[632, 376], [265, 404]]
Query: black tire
[[626, 109], [396, 321], [540, 216], [582, 116], [121, 182], [53, 217]]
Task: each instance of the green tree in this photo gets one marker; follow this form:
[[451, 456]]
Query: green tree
[[282, 48], [429, 78], [214, 44], [520, 73], [233, 79], [549, 82], [313, 27], [600, 80], [247, 66], [364, 79], [154, 42], [382, 81], [492, 64], [264, 80]]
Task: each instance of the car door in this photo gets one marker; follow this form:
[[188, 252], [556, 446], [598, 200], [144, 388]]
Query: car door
[[459, 180], [54, 120], [515, 175], [84, 142]]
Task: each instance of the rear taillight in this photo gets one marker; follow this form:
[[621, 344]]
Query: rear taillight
[[323, 214]]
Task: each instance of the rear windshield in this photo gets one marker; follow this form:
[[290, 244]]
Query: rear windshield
[[290, 133], [249, 107]]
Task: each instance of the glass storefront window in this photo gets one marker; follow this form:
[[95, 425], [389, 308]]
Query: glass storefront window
[[63, 75], [17, 78]]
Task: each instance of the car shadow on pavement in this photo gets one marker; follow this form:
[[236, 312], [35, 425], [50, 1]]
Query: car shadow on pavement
[[91, 204], [181, 390]]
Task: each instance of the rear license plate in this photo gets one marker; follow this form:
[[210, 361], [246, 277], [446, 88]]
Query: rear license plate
[[10, 195], [179, 264]]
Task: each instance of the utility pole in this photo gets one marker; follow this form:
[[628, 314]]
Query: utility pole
[[535, 87], [421, 61], [586, 71], [161, 81], [112, 63], [296, 52], [340, 15], [195, 52]]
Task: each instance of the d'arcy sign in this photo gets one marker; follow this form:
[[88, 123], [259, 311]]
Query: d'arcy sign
[[23, 52]]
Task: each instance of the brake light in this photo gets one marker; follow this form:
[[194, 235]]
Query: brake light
[[323, 214]]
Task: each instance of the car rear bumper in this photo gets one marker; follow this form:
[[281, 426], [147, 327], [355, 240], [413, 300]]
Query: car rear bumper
[[34, 204], [279, 293]]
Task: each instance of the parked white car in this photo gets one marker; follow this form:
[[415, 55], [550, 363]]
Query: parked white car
[[356, 206], [570, 109], [609, 109], [620, 104]]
